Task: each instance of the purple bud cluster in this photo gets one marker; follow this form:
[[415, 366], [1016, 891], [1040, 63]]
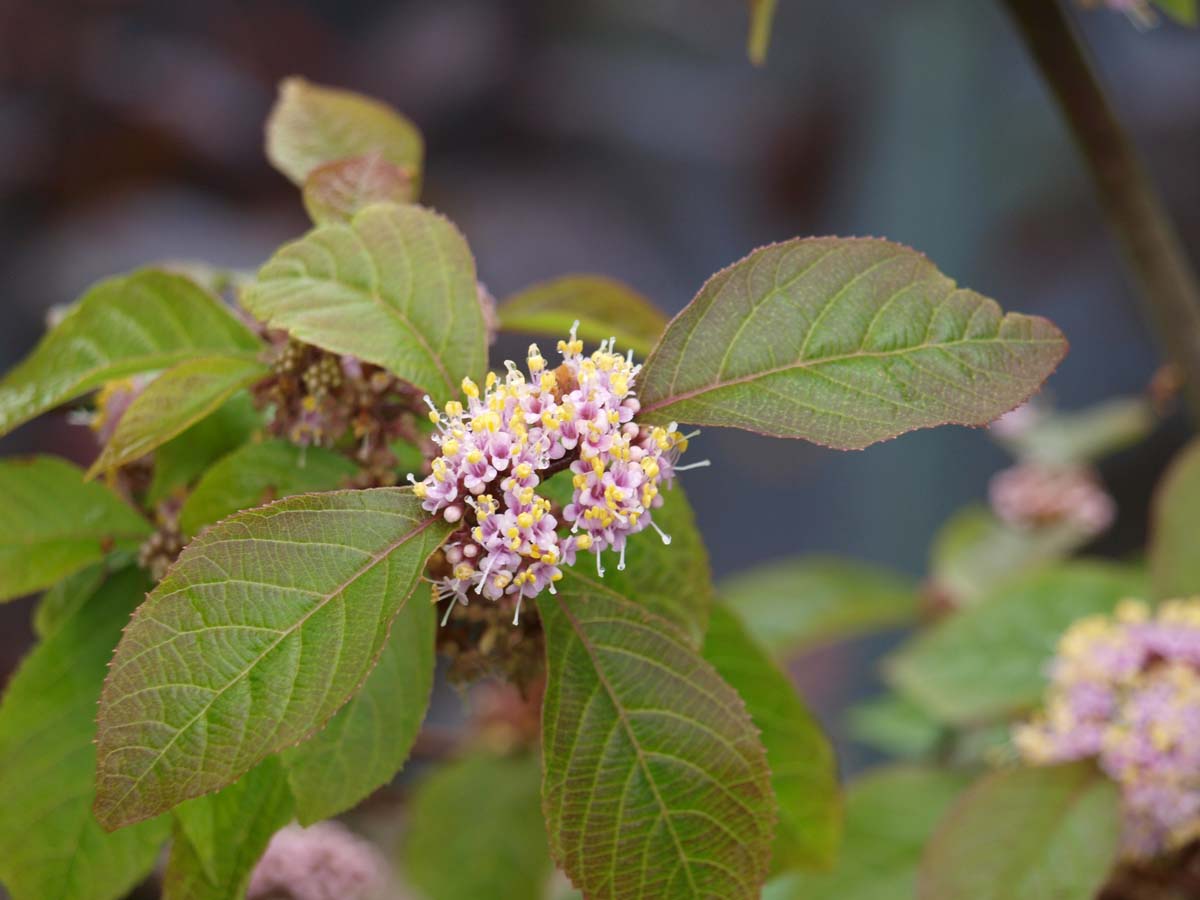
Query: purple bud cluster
[[1033, 495], [1126, 690], [325, 861]]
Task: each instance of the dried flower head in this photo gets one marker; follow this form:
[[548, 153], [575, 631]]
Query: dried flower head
[[1126, 690], [498, 447], [325, 861]]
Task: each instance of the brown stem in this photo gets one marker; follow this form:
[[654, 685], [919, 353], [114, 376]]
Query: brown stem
[[1135, 213]]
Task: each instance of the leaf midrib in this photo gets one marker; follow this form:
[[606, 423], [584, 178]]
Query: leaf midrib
[[366, 567], [620, 711], [803, 365]]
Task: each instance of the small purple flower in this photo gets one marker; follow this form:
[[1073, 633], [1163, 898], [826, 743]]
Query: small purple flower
[[325, 861]]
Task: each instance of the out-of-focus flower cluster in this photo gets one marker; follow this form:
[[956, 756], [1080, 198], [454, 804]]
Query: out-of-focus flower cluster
[[498, 447], [1033, 495], [1126, 690], [325, 861]]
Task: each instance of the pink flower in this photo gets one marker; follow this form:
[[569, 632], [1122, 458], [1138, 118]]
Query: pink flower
[[325, 861]]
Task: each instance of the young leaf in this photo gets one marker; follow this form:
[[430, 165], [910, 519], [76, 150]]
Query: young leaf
[[793, 604], [395, 287], [311, 125], [843, 342], [603, 307], [52, 847], [762, 17], [803, 768], [1087, 436], [365, 744], [65, 598], [989, 660], [896, 726], [219, 838], [268, 623], [655, 782], [1047, 833], [135, 323], [485, 809], [671, 580], [1174, 560], [257, 473], [173, 402], [52, 523], [889, 815], [336, 191], [183, 459]]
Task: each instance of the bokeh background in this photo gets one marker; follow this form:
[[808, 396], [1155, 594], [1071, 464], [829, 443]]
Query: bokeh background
[[632, 138]]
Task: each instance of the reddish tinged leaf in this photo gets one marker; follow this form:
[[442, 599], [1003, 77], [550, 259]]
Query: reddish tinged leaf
[[335, 191]]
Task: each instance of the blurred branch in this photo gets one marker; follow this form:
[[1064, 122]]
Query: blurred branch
[[1148, 240], [762, 16]]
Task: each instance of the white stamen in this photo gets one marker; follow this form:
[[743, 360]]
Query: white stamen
[[449, 609], [666, 538], [698, 464], [517, 617], [303, 455], [629, 356], [621, 561], [691, 434], [574, 328], [486, 572], [599, 565], [412, 479]]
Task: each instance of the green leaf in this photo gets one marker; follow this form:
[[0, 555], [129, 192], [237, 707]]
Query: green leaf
[[1182, 11], [53, 523], [793, 604], [395, 287], [66, 598], [220, 837], [1046, 833], [803, 768], [989, 661], [476, 831], [336, 191], [257, 473], [173, 402], [123, 326], [182, 460], [974, 552], [1074, 438], [365, 744], [603, 307], [762, 17], [671, 580], [655, 782], [311, 125], [52, 847], [843, 342], [895, 725], [890, 813], [268, 623], [1174, 560]]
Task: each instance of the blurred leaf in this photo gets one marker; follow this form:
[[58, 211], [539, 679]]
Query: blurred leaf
[[311, 125], [1182, 11], [268, 623], [989, 661], [671, 580], [338, 190], [762, 17], [394, 287], [792, 604], [803, 768], [1065, 439], [843, 342], [890, 813], [1047, 833], [655, 782], [183, 459], [604, 308], [65, 598], [52, 847], [365, 744], [173, 402], [1175, 530], [895, 725], [53, 523], [123, 326], [254, 474], [975, 552], [476, 831], [220, 837]]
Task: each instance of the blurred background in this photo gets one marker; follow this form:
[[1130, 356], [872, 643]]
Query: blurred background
[[631, 138]]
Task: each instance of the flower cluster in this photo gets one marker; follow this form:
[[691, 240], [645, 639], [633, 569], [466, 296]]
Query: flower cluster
[[325, 861], [518, 431], [1033, 495], [1126, 690]]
